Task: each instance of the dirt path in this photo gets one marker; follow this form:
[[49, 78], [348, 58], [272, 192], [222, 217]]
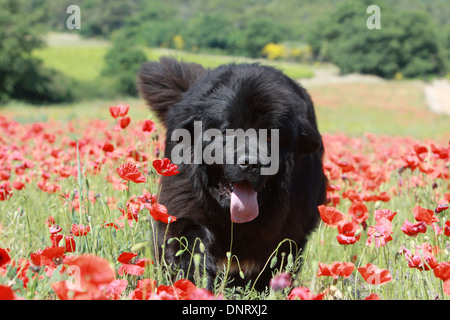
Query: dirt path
[[437, 93], [331, 75]]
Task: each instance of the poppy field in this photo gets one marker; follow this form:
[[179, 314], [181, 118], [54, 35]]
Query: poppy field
[[79, 206]]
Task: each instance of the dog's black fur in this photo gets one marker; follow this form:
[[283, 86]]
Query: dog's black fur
[[230, 97]]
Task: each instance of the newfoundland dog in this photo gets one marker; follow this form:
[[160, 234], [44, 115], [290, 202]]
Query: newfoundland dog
[[249, 153]]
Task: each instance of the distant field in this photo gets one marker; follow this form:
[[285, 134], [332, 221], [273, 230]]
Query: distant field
[[83, 59], [390, 107], [80, 63]]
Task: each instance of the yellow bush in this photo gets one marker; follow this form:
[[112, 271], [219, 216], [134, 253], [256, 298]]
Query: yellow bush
[[178, 41], [398, 76], [274, 51]]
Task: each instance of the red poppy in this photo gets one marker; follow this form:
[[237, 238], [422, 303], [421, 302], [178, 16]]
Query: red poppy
[[130, 213], [336, 269], [352, 195], [131, 269], [383, 196], [49, 221], [18, 185], [442, 271], [147, 197], [119, 111], [148, 126], [372, 296], [303, 293], [446, 287], [203, 294], [80, 230], [125, 257], [4, 175], [108, 147], [145, 290], [422, 259], [159, 213], [330, 215], [5, 191], [70, 244], [130, 172], [165, 167], [447, 228], [420, 150], [413, 229], [359, 211], [93, 279], [68, 290], [6, 293], [135, 268], [440, 208], [54, 229], [350, 229], [180, 290], [114, 289], [124, 122], [374, 275], [388, 214], [47, 256], [55, 239], [380, 233], [4, 257], [343, 239], [426, 215], [93, 270]]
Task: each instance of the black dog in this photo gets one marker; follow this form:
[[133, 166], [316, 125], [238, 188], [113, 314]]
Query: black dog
[[206, 198]]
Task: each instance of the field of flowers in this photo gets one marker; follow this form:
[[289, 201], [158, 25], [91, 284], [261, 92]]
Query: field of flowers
[[78, 204]]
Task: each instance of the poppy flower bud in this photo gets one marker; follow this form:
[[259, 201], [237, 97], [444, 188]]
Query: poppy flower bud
[[280, 281]]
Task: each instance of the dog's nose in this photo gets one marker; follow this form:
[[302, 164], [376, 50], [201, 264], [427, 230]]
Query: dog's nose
[[249, 164]]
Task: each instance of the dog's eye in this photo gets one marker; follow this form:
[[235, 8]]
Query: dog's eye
[[268, 139]]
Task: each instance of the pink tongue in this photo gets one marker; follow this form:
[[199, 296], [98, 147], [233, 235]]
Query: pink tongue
[[244, 204]]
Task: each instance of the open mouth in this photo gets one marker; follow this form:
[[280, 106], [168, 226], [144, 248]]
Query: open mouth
[[243, 200]]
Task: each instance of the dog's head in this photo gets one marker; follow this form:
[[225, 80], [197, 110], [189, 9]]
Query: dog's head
[[235, 130]]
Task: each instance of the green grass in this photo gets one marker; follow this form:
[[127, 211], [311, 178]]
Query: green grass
[[82, 59], [392, 108], [80, 63]]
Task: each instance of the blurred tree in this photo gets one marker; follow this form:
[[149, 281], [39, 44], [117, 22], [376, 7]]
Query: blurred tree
[[17, 40], [102, 17], [258, 32], [22, 76], [406, 43], [445, 48], [209, 31], [153, 25], [122, 63]]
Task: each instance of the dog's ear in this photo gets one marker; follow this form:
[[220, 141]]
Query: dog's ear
[[162, 83], [309, 139]]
